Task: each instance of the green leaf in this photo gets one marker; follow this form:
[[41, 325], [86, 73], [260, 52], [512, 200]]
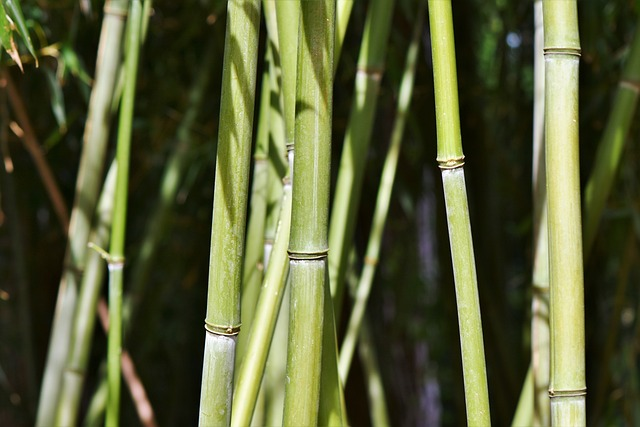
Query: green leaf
[[57, 99], [15, 13], [6, 38], [71, 60]]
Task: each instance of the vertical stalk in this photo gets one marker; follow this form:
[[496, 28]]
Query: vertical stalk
[[540, 275], [89, 179], [222, 323], [451, 162], [382, 202], [567, 388], [116, 252], [84, 319], [308, 242], [611, 146], [356, 143]]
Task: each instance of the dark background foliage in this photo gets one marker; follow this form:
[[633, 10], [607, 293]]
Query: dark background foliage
[[413, 306]]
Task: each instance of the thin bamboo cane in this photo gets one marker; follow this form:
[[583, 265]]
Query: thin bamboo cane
[[356, 143], [222, 323], [382, 203], [540, 275], [308, 242], [567, 388], [266, 314], [451, 161], [343, 15], [116, 250], [88, 183], [377, 403], [84, 319], [611, 146]]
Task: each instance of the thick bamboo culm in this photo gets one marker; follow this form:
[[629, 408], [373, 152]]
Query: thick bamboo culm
[[567, 387], [86, 196], [233, 159], [451, 161], [308, 244]]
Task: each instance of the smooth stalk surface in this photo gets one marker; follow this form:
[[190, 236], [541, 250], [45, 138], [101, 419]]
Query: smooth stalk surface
[[451, 161], [308, 244], [567, 387], [222, 323]]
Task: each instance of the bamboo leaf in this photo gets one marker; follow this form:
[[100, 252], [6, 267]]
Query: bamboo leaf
[[6, 38], [15, 13]]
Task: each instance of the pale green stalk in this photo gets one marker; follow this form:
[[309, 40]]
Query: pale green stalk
[[309, 216], [540, 275], [524, 410], [116, 251], [612, 144], [343, 15], [266, 315], [382, 203], [567, 387], [87, 189], [375, 388], [451, 161], [85, 316], [233, 159], [356, 142]]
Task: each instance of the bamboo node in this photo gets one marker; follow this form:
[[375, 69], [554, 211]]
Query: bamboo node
[[308, 256], [567, 393], [540, 289], [226, 330], [115, 11], [572, 51], [373, 72], [632, 85], [454, 163], [371, 261]]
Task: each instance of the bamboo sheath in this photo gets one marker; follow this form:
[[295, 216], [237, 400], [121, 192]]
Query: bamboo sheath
[[87, 189], [222, 323], [567, 388], [451, 161]]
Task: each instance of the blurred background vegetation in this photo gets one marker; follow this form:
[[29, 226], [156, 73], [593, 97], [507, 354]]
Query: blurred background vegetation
[[412, 309]]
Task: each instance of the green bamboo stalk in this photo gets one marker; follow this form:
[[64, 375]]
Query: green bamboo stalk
[[343, 15], [375, 388], [451, 161], [356, 142], [88, 183], [266, 315], [612, 144], [524, 414], [116, 250], [382, 203], [540, 275], [222, 323], [308, 242], [567, 388], [95, 412], [84, 319]]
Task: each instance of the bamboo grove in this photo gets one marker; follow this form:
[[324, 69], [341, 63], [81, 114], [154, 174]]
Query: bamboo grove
[[382, 212]]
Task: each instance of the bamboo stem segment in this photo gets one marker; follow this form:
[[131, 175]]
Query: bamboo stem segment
[[451, 161], [567, 388], [222, 323], [309, 217]]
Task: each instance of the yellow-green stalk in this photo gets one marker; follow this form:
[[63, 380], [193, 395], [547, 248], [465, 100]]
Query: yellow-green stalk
[[567, 386], [356, 142], [222, 323], [308, 244], [116, 250], [382, 203], [86, 196], [451, 161]]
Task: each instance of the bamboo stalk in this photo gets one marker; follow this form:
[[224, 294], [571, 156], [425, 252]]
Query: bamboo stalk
[[88, 183], [612, 144], [84, 319], [540, 275], [451, 161], [308, 242], [356, 143], [116, 250], [567, 388], [222, 323], [382, 203]]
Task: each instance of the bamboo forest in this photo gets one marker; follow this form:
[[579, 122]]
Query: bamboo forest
[[319, 212]]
